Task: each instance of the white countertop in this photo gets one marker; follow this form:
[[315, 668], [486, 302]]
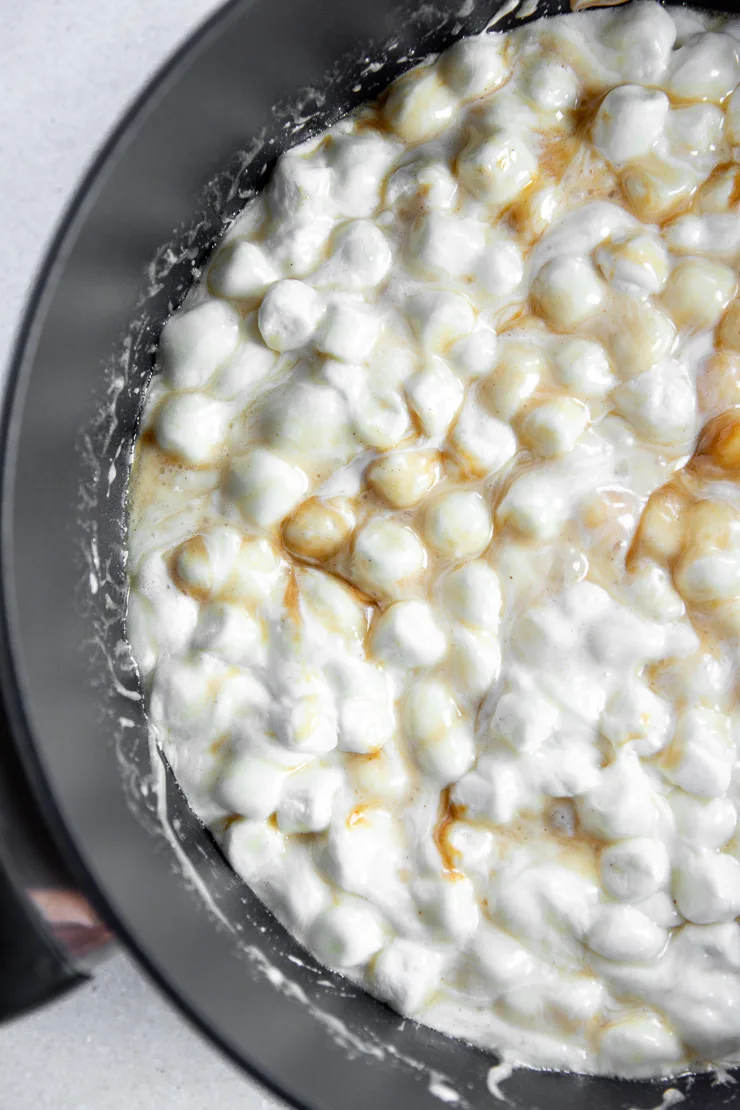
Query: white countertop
[[68, 69]]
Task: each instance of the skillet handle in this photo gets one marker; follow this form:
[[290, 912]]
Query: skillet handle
[[49, 935]]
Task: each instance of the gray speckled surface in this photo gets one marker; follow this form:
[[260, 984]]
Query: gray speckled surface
[[68, 69]]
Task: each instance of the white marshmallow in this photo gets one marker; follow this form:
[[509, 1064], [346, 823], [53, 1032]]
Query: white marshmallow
[[474, 355], [525, 719], [500, 960], [475, 660], [474, 67], [298, 189], [407, 635], [629, 123], [406, 975], [443, 747], [567, 291], [472, 594], [381, 419], [635, 715], [307, 800], [706, 823], [497, 169], [553, 86], [500, 268], [250, 786], [532, 507], [403, 478], [709, 578], [622, 804], [421, 184], [192, 427], [360, 257], [698, 292], [484, 442], [195, 343], [582, 367], [439, 318], [250, 365], [697, 129], [625, 934], [635, 263], [231, 633], [448, 906], [419, 106], [458, 524], [304, 715], [310, 418], [643, 36], [706, 887], [347, 934], [349, 331], [360, 856], [444, 246], [241, 271], [264, 486], [634, 869], [660, 404], [435, 395], [703, 756], [732, 116], [388, 558], [289, 315], [493, 789], [554, 427], [334, 604], [706, 68], [359, 164], [514, 379], [640, 1045]]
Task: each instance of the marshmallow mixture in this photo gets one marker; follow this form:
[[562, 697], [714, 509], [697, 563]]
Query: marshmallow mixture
[[435, 542]]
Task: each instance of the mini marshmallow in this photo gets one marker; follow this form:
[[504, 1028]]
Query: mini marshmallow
[[472, 594], [706, 68], [298, 189], [705, 823], [192, 427], [241, 271], [629, 122], [406, 975], [318, 529], [625, 934], [711, 577], [388, 558], [634, 869], [347, 934], [554, 427], [635, 715], [567, 292], [289, 315], [525, 719], [514, 379], [640, 1045], [407, 635], [582, 367], [304, 717], [439, 318], [360, 257], [474, 67], [231, 633], [644, 337], [310, 418], [419, 106], [493, 789], [421, 184], [195, 343], [307, 800], [444, 246], [706, 887], [622, 804], [435, 395], [643, 37], [458, 524], [359, 164], [475, 660], [349, 331], [264, 486], [702, 753], [497, 169], [697, 129], [660, 404], [532, 508], [448, 907], [474, 355], [250, 786], [333, 604], [634, 263], [484, 443], [553, 86], [698, 292], [500, 268], [404, 477]]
